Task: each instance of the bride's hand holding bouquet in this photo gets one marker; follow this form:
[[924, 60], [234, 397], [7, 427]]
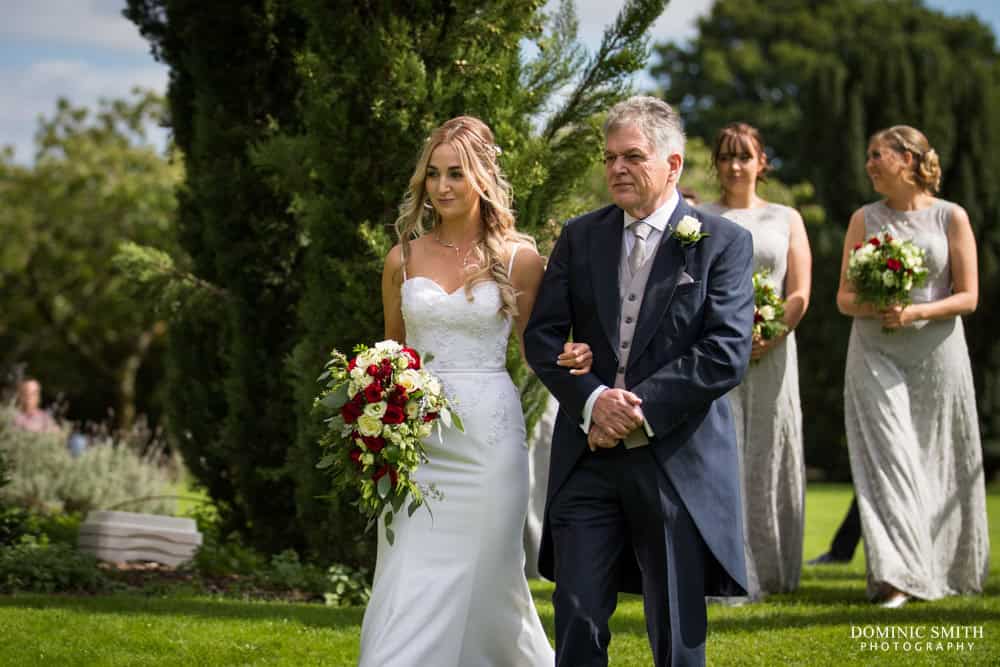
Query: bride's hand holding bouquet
[[379, 407]]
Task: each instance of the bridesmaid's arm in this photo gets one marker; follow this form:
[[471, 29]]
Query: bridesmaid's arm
[[392, 298], [526, 277], [964, 280], [846, 297], [798, 276]]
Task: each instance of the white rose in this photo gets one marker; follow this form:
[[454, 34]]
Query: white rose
[[403, 362], [895, 243], [424, 430], [367, 358], [368, 425], [888, 278], [688, 226], [410, 380], [388, 346], [376, 410], [432, 386], [412, 409], [767, 312], [358, 374]]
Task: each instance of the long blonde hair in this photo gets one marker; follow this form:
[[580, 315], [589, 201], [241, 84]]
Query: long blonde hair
[[473, 140]]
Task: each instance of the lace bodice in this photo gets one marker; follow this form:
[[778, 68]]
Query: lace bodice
[[461, 334]]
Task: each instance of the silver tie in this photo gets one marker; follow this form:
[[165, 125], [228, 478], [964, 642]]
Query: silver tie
[[640, 230]]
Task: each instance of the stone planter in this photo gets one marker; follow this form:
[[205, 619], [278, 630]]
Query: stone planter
[[119, 537]]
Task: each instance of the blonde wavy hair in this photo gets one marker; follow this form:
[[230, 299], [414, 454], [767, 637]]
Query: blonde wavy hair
[[926, 173], [473, 140]]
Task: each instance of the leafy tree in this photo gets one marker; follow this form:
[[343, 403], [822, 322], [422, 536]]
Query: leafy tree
[[232, 78], [818, 78], [65, 314]]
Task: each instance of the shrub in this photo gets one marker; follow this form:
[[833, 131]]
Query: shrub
[[45, 477], [49, 568], [347, 587]]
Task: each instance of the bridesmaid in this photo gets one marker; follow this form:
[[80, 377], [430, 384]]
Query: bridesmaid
[[909, 402], [766, 405]]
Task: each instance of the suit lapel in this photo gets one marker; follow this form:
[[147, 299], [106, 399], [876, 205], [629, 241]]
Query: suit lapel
[[667, 266], [605, 253]]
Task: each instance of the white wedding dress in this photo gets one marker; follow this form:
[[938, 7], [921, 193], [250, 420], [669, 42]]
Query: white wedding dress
[[451, 591]]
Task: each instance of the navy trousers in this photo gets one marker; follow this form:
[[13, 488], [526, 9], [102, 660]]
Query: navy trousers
[[617, 500]]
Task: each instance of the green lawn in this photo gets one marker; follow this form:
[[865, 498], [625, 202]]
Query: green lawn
[[810, 627]]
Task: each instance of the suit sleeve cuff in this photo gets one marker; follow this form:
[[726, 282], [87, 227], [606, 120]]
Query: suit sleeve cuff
[[588, 407]]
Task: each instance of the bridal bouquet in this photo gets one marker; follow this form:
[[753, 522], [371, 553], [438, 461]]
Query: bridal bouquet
[[883, 270], [769, 308], [380, 405]]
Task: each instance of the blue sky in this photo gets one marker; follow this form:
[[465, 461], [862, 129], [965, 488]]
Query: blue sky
[[84, 50]]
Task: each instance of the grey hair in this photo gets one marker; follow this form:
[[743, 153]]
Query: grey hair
[[657, 120]]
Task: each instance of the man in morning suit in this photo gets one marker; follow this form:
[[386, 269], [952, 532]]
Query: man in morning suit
[[643, 491]]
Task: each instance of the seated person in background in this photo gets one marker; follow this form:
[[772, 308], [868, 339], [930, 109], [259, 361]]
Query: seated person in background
[[30, 415]]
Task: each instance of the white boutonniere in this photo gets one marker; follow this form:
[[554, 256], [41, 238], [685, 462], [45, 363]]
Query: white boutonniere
[[688, 231]]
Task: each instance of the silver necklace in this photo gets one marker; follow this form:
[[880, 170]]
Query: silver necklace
[[455, 247]]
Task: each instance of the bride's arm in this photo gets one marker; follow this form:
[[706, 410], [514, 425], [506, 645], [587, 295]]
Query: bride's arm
[[526, 277], [392, 299]]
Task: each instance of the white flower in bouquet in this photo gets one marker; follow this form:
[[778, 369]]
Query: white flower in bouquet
[[767, 312], [387, 347], [411, 380], [369, 426], [376, 410]]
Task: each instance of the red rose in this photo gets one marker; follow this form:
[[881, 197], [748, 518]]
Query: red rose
[[372, 370], [874, 241], [374, 443], [757, 317], [352, 364], [350, 412], [430, 416], [414, 357], [858, 246], [373, 392], [385, 372], [398, 396], [393, 415], [893, 264], [356, 457]]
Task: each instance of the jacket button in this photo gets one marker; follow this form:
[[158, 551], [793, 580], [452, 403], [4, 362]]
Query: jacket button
[[621, 370], [624, 344], [629, 320], [632, 297]]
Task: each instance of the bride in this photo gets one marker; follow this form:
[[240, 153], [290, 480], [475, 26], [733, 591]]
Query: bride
[[451, 590]]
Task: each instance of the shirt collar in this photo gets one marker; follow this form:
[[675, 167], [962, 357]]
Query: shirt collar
[[658, 219]]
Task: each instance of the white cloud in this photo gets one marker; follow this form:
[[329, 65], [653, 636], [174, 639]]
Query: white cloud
[[29, 92], [71, 22]]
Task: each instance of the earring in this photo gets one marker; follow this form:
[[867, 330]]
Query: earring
[[428, 205]]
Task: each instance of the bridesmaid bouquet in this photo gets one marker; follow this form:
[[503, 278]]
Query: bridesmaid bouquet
[[769, 308], [884, 269], [380, 405]]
